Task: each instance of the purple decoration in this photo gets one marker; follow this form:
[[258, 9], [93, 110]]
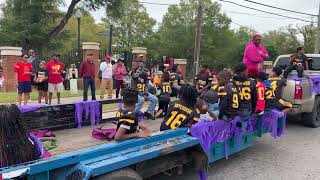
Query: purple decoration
[[38, 144], [316, 84], [202, 175], [220, 131], [29, 108], [91, 108]]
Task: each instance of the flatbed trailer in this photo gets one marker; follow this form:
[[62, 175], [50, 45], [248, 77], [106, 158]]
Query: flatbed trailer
[[79, 156]]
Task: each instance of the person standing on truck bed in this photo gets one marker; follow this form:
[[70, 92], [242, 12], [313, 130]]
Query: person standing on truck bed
[[273, 95], [298, 62], [182, 112], [246, 88], [254, 55]]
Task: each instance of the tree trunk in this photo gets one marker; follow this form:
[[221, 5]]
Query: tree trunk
[[56, 30]]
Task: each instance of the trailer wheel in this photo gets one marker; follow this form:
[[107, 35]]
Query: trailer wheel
[[313, 119], [122, 174]]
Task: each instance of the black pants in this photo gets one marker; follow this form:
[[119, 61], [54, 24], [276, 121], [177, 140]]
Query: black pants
[[119, 85], [289, 68], [163, 104], [86, 83]]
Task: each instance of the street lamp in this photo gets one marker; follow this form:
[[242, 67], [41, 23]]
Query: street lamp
[[79, 15]]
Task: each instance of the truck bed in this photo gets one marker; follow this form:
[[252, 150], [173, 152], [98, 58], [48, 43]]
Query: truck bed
[[74, 139]]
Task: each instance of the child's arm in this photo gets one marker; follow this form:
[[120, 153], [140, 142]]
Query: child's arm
[[144, 129], [121, 134], [214, 116]]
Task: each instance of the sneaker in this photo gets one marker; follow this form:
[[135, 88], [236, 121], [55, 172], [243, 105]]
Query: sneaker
[[148, 116], [159, 113]]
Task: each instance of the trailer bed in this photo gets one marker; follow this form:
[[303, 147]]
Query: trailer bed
[[75, 139]]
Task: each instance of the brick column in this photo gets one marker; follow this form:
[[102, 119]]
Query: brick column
[[94, 48], [137, 51], [10, 56], [183, 65]]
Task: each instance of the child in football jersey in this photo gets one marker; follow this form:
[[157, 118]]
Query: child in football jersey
[[164, 96], [246, 89], [183, 112], [229, 101], [275, 85], [127, 119], [261, 88]]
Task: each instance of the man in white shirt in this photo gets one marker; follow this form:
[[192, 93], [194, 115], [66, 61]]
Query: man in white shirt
[[106, 82]]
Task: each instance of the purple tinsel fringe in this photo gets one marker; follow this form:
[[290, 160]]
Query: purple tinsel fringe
[[91, 108], [316, 84], [211, 132]]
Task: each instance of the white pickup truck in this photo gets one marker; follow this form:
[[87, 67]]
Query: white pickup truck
[[306, 104]]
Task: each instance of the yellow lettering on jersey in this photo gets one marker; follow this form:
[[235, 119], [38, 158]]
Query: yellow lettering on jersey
[[245, 83], [183, 108], [127, 120]]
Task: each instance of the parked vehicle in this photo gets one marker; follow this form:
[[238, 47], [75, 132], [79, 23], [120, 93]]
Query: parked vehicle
[[300, 92]]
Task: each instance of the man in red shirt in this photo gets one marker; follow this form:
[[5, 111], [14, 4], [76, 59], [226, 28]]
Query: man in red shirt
[[55, 80], [88, 73], [24, 71]]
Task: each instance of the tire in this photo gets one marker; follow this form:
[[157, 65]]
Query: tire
[[313, 119], [122, 174]]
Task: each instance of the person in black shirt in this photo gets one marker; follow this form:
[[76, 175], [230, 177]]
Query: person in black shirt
[[203, 80], [164, 96], [273, 95], [246, 89], [127, 119], [183, 112], [229, 100], [298, 62], [41, 79], [175, 80]]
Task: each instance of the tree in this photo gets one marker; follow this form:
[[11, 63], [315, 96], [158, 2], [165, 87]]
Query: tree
[[132, 27], [177, 32]]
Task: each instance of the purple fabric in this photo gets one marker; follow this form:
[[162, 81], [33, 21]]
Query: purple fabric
[[90, 109], [29, 108], [42, 133], [38, 144], [316, 84], [202, 175], [220, 131], [104, 134]]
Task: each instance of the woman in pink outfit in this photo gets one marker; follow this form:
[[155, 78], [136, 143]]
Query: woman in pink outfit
[[120, 72], [254, 55]]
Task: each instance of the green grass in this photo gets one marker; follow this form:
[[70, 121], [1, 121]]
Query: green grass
[[11, 97]]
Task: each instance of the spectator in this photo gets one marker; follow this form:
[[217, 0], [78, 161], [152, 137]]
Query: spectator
[[34, 61], [87, 72], [106, 82], [119, 74], [254, 55], [203, 80], [24, 70], [73, 76], [55, 80], [41, 80]]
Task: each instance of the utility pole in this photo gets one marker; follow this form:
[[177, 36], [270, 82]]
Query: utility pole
[[317, 43], [196, 55]]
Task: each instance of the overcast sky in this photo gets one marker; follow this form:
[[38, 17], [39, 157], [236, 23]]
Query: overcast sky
[[257, 20]]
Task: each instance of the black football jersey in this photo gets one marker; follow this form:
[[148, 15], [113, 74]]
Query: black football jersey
[[229, 103], [127, 120], [165, 90], [179, 115], [203, 79], [140, 80], [247, 93], [274, 90]]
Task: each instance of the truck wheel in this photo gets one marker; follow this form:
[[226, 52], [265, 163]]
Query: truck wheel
[[313, 119], [122, 174]]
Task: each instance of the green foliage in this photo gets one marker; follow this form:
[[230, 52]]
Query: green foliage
[[26, 23], [132, 27]]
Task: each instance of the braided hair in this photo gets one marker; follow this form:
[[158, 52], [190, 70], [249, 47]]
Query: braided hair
[[188, 94], [130, 96], [15, 144]]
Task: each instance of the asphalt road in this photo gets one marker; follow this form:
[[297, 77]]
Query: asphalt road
[[295, 156]]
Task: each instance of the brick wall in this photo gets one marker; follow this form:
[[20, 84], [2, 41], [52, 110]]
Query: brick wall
[[10, 77]]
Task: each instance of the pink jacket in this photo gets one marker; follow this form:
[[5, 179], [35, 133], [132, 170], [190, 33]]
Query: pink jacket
[[251, 55], [120, 71]]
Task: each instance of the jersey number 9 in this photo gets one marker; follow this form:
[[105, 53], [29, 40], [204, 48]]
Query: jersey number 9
[[235, 101]]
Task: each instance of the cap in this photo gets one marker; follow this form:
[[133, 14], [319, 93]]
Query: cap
[[107, 57]]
